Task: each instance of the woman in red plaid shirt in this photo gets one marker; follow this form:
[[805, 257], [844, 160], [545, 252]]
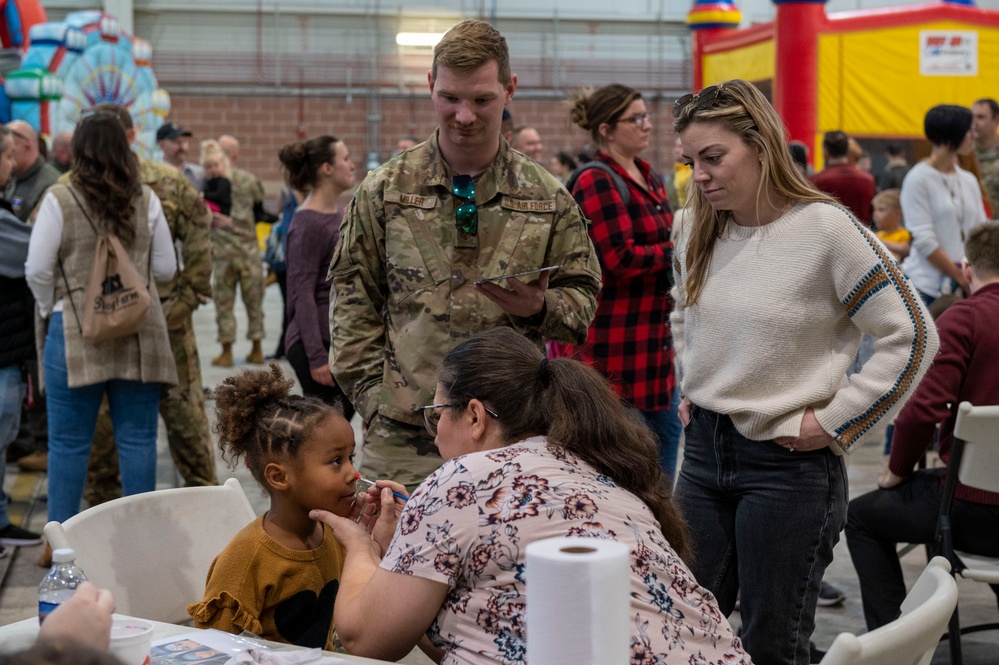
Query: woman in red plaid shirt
[[629, 340]]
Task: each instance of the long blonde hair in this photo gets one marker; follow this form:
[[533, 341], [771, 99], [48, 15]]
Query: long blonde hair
[[742, 109]]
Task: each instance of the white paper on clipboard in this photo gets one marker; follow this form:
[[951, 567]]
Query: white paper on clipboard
[[516, 274]]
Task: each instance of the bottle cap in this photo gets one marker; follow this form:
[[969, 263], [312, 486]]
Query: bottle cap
[[63, 555]]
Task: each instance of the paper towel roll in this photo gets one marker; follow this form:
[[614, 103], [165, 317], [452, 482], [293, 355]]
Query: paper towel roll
[[578, 602]]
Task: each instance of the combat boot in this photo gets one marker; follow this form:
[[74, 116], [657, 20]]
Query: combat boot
[[256, 356], [224, 359]]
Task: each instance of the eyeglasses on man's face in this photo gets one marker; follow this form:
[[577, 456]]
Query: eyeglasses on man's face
[[638, 119], [700, 100], [432, 417], [466, 215]]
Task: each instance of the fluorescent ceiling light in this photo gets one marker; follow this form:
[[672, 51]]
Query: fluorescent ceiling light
[[418, 38]]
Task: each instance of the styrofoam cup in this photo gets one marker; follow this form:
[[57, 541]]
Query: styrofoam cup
[[131, 639]]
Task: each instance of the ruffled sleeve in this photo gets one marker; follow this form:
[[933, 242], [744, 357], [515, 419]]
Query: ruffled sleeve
[[224, 612]]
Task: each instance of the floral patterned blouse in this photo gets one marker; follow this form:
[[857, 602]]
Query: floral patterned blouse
[[468, 526]]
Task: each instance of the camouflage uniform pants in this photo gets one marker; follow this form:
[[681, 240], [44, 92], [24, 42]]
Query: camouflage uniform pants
[[246, 272], [183, 409], [398, 451]]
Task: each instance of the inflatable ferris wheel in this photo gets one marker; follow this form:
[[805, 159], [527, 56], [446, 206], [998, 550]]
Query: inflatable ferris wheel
[[85, 60]]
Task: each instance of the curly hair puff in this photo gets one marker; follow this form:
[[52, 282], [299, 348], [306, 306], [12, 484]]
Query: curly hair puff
[[258, 418]]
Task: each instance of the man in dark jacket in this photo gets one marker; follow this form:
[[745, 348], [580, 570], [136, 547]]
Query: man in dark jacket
[[17, 346]]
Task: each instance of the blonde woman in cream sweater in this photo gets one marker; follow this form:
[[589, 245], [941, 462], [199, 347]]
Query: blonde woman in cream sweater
[[775, 285]]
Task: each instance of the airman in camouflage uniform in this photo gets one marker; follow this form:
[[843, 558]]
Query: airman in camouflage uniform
[[183, 405], [403, 293], [238, 261]]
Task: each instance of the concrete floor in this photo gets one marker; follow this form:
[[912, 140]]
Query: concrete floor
[[20, 575]]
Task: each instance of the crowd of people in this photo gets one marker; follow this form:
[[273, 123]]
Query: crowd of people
[[525, 344]]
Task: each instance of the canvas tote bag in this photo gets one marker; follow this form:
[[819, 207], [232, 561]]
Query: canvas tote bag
[[117, 299]]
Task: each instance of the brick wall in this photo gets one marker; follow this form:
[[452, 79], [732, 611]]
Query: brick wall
[[264, 124]]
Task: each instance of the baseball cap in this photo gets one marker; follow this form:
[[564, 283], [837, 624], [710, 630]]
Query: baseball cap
[[171, 130]]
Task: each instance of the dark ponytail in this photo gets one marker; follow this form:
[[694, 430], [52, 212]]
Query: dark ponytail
[[573, 406], [302, 160]]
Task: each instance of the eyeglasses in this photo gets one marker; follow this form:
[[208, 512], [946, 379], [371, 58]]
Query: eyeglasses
[[431, 416], [700, 100], [466, 216], [637, 119]]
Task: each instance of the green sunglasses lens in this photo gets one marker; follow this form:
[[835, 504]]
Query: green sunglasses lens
[[466, 216], [467, 219], [463, 186]]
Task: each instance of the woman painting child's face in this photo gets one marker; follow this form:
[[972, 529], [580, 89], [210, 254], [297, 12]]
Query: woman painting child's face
[[323, 475]]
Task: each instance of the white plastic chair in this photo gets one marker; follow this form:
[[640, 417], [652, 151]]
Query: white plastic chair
[[153, 550], [913, 637], [974, 460]]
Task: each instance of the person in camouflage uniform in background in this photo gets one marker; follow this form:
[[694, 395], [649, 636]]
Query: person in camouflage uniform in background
[[238, 262], [183, 405], [403, 273], [986, 116]]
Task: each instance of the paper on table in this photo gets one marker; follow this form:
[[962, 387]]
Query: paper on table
[[204, 647], [216, 647]]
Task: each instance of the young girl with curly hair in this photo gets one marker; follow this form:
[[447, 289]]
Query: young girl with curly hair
[[278, 578]]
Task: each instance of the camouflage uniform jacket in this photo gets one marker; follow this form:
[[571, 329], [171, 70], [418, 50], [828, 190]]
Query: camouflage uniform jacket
[[988, 165], [240, 239], [190, 227], [402, 276]]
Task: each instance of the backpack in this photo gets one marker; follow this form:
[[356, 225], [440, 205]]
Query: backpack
[[116, 300], [619, 183], [277, 241]]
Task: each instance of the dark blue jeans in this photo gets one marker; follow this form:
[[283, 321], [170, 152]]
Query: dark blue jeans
[[667, 428], [763, 522]]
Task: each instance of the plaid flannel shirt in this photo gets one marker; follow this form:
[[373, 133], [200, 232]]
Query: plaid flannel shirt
[[629, 340]]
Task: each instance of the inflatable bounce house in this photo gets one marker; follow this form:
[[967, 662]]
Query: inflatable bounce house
[[53, 72], [871, 73]]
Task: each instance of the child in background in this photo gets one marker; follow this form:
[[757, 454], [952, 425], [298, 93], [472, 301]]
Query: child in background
[[218, 188], [278, 578], [888, 222]]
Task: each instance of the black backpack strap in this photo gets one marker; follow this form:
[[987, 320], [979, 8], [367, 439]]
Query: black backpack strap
[[619, 183]]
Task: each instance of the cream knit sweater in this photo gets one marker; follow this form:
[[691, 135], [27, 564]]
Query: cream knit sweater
[[780, 318]]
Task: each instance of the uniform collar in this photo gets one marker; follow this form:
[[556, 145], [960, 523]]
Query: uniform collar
[[499, 178]]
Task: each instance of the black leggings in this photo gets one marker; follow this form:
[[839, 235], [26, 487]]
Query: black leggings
[[300, 363]]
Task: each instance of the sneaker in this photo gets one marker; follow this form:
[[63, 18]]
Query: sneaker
[[16, 536], [830, 596]]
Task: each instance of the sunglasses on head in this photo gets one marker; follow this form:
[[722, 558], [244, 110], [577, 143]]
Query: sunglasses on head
[[700, 100], [466, 216]]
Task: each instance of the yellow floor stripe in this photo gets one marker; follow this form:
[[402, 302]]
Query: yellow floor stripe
[[22, 494]]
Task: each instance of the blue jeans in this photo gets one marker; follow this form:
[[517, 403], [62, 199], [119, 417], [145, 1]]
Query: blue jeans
[[763, 522], [73, 417], [667, 428], [11, 396]]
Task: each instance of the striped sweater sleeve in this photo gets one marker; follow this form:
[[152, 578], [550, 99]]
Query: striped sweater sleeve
[[881, 302]]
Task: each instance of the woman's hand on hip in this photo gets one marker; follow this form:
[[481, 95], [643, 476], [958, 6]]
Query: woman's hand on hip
[[683, 411], [811, 437]]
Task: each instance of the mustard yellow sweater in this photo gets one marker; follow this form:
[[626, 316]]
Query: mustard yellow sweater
[[279, 594]]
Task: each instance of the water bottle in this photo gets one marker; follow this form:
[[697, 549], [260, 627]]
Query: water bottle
[[60, 583]]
